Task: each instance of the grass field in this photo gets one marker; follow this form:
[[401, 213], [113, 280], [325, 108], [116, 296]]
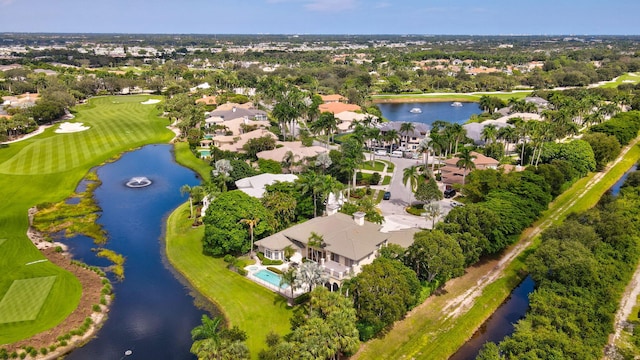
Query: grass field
[[630, 78], [25, 298], [47, 168], [244, 303]]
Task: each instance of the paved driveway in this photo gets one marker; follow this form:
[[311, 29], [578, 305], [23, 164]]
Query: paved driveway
[[396, 218]]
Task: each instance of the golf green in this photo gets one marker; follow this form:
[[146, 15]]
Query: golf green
[[47, 168]]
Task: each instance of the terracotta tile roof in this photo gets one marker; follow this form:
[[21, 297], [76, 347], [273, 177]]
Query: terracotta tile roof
[[333, 98], [338, 107], [207, 100]]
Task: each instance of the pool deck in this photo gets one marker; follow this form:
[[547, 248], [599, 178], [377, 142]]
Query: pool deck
[[253, 269]]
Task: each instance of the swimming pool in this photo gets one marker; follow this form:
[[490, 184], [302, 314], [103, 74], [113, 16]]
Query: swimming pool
[[270, 277]]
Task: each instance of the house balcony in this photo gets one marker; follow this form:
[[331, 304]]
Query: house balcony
[[336, 270]]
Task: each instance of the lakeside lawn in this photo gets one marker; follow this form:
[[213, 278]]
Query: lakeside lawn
[[47, 168], [428, 333], [439, 97], [253, 308]]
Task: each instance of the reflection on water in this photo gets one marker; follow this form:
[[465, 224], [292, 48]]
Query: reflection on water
[[152, 314], [500, 324], [430, 112]]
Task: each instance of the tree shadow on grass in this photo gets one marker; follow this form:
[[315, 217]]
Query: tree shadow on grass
[[280, 301]]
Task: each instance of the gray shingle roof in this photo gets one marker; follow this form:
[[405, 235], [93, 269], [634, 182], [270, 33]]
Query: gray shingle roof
[[340, 232]]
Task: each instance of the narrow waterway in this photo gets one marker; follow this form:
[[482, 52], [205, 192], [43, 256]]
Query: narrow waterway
[[153, 313], [501, 323]]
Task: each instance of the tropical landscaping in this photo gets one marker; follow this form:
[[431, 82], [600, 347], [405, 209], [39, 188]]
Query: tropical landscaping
[[426, 297]]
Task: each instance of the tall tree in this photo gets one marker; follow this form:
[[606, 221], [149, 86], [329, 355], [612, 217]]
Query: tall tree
[[410, 176], [465, 161], [435, 254], [251, 222], [407, 128]]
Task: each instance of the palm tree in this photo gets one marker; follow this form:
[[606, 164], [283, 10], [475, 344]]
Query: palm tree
[[327, 124], [288, 160], [489, 133], [315, 243], [186, 189], [310, 274], [465, 161], [509, 135], [406, 128], [252, 222], [309, 182], [391, 137], [289, 278], [458, 133], [424, 148], [206, 338], [373, 134], [410, 176], [324, 161]]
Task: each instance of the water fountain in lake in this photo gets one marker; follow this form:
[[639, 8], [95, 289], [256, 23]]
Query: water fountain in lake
[[138, 182]]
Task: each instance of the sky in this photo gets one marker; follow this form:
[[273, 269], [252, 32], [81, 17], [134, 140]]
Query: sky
[[423, 17]]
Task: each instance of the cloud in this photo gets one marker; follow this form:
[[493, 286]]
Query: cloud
[[331, 5], [6, 2]]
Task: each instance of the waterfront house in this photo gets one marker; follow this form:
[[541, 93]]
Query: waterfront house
[[348, 243]]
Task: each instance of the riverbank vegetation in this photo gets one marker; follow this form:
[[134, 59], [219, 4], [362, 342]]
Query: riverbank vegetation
[[47, 169], [242, 302], [580, 268]]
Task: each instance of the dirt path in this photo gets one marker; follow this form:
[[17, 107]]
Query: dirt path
[[463, 302], [493, 270], [627, 303]]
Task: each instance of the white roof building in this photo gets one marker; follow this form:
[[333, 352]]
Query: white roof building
[[255, 185]]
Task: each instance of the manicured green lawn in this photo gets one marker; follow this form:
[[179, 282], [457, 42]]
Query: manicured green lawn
[[244, 303], [448, 97], [185, 157], [25, 298], [386, 180], [47, 168], [377, 166]]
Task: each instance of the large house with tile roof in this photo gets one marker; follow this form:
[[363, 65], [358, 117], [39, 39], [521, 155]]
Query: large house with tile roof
[[451, 174], [348, 243]]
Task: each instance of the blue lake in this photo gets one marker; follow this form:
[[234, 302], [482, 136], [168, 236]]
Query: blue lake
[[153, 312], [431, 111]]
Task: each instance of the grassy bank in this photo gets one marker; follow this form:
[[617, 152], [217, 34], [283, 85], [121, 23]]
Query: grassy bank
[[439, 97], [244, 303], [428, 332], [47, 168], [185, 157]]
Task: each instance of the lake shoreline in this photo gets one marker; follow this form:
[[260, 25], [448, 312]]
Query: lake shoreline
[[434, 99]]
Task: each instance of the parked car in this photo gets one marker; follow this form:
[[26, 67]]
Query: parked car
[[381, 153], [386, 196], [456, 204], [397, 153], [449, 193]]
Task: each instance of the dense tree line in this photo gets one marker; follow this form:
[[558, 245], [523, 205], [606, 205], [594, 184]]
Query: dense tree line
[[580, 270]]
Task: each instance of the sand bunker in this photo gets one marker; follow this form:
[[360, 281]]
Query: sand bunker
[[67, 127], [150, 101]]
